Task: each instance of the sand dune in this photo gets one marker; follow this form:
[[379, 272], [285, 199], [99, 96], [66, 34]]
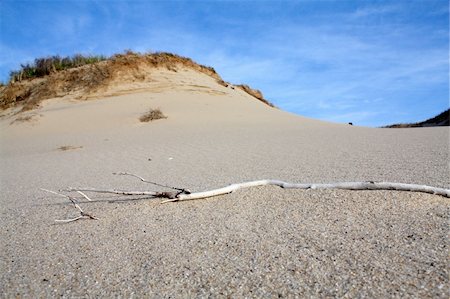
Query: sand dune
[[261, 242]]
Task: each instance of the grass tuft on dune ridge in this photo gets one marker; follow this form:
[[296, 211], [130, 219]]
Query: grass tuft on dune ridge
[[45, 66]]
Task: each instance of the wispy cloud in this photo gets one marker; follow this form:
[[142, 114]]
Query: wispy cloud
[[369, 11], [326, 68]]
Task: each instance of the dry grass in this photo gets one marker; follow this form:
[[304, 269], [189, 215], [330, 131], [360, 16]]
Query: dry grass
[[28, 94], [255, 93], [26, 118], [45, 66], [151, 115], [23, 119]]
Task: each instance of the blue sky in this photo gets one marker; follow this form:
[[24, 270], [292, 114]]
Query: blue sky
[[367, 62]]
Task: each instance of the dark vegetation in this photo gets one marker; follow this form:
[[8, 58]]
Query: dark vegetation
[[45, 66], [442, 119]]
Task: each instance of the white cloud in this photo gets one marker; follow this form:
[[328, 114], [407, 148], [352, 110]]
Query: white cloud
[[368, 11]]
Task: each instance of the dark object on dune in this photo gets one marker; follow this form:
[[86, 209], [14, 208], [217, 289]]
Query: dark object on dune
[[351, 124], [437, 121]]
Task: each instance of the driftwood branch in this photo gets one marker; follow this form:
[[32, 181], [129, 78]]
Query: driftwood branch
[[182, 194], [187, 195], [285, 185]]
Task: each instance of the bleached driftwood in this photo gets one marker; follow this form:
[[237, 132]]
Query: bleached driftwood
[[184, 194], [285, 185]]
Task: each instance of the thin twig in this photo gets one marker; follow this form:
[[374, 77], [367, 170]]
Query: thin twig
[[84, 195], [66, 196], [83, 214], [113, 191], [46, 190], [69, 220], [147, 181]]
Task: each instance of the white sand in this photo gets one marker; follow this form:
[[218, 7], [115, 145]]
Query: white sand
[[259, 242]]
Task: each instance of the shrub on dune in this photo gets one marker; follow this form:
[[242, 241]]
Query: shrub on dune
[[151, 115]]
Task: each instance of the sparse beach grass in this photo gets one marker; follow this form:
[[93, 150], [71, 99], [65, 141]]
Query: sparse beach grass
[[151, 115]]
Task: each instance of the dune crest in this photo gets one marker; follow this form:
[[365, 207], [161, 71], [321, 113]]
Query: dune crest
[[120, 74]]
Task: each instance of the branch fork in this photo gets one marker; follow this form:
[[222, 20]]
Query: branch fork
[[83, 214]]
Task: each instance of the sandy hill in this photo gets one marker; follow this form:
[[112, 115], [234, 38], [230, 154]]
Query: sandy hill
[[76, 127], [133, 84], [121, 73]]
